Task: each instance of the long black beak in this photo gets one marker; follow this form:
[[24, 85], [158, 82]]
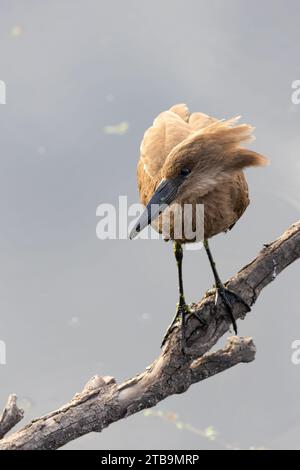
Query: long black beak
[[163, 196]]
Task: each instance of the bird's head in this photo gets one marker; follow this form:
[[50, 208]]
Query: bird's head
[[174, 177]]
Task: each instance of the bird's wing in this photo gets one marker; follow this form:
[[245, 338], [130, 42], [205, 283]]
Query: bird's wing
[[169, 129]]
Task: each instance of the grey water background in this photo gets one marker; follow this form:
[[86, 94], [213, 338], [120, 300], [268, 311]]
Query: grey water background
[[72, 306]]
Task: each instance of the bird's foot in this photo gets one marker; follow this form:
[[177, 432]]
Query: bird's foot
[[230, 298], [180, 316]]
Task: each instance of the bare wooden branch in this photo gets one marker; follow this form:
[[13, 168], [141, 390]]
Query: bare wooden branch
[[103, 402], [11, 415]]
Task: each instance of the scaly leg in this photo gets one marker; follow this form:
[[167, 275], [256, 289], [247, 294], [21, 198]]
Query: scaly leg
[[182, 308], [229, 297]]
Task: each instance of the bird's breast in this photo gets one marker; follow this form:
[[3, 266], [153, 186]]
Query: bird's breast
[[191, 219]]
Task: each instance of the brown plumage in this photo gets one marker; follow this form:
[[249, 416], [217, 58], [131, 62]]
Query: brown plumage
[[191, 158], [212, 149]]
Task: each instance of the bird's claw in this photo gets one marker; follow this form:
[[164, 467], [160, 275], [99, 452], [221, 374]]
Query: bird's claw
[[230, 298], [181, 312]]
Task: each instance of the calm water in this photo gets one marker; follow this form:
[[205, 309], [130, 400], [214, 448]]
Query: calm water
[[83, 81]]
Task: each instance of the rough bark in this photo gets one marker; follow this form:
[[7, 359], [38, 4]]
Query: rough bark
[[11, 415], [103, 402]]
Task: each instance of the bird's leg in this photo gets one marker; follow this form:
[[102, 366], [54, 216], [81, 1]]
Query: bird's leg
[[182, 307], [229, 297]]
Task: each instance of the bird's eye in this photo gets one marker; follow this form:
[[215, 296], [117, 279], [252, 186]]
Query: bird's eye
[[185, 172]]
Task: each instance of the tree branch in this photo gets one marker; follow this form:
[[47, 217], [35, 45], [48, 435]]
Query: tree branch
[[11, 415], [103, 402]]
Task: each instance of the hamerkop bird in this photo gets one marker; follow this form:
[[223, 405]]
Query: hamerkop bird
[[187, 160]]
